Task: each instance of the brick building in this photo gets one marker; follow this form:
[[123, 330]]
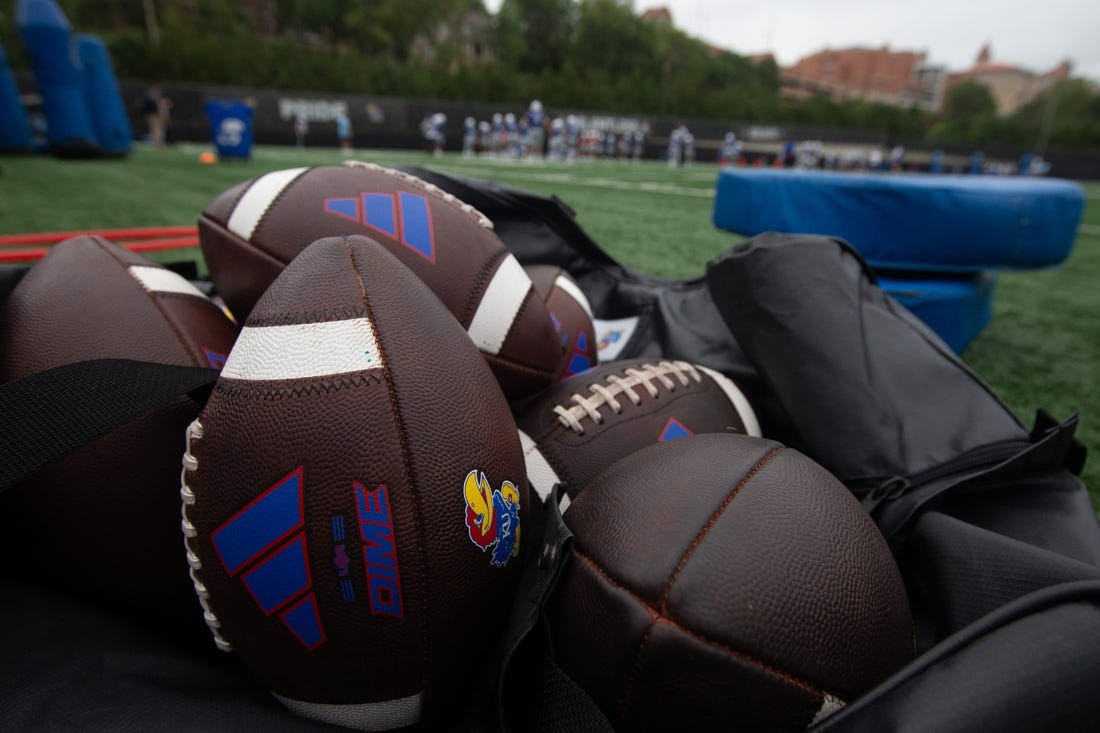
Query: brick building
[[899, 78]]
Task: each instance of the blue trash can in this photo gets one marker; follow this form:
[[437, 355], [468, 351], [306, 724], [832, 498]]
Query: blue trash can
[[230, 128]]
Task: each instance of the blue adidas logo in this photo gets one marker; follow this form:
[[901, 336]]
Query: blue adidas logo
[[264, 545], [402, 216]]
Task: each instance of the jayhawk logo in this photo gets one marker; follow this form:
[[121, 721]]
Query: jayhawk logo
[[492, 517]]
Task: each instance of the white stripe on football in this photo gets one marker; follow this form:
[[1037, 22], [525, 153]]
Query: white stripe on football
[[256, 200], [737, 397], [303, 350], [540, 474], [573, 291], [160, 280], [368, 716], [498, 307]]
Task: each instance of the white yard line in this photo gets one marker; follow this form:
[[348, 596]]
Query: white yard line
[[506, 169], [639, 186]]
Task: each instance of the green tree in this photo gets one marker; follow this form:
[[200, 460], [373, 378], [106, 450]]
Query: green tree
[[1070, 110], [102, 14], [546, 28], [611, 37], [508, 35], [613, 57], [968, 101], [325, 18], [969, 113]]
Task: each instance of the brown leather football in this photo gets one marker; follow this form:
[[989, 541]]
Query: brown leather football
[[251, 231], [104, 519], [725, 581], [353, 495], [573, 430], [571, 315]]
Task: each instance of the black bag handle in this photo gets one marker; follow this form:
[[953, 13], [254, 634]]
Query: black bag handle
[[1051, 445], [1000, 633], [48, 414]]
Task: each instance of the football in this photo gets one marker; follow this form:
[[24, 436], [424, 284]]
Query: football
[[354, 494], [573, 430], [725, 578], [251, 231], [571, 315], [103, 520]]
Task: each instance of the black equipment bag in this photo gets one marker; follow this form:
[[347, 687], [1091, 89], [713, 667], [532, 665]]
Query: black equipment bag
[[996, 536], [994, 533]]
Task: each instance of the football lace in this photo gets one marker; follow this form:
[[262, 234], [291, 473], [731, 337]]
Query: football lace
[[588, 406], [482, 220], [191, 464]]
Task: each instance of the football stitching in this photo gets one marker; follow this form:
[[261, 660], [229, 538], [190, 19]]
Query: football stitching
[[587, 406], [196, 357], [299, 317], [194, 299], [527, 299], [477, 287], [591, 436], [183, 296], [235, 203], [190, 465], [517, 368], [745, 657], [658, 617], [254, 239], [636, 667], [299, 388], [483, 221], [221, 229], [425, 635], [714, 520]]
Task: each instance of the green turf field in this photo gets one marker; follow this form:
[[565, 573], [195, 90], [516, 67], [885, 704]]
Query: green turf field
[[1042, 348]]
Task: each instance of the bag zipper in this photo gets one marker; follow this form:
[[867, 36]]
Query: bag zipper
[[982, 457]]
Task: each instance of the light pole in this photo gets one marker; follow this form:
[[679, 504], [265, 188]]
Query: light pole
[[1047, 121]]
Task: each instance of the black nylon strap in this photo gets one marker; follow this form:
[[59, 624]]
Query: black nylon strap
[[48, 414], [10, 275], [533, 694], [561, 706]]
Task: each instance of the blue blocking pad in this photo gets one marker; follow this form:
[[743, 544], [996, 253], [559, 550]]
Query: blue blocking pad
[[919, 222], [956, 309]]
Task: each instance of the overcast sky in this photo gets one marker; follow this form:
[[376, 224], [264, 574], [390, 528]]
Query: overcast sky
[[1036, 35]]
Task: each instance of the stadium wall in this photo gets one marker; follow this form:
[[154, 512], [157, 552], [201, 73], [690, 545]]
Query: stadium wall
[[393, 122]]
